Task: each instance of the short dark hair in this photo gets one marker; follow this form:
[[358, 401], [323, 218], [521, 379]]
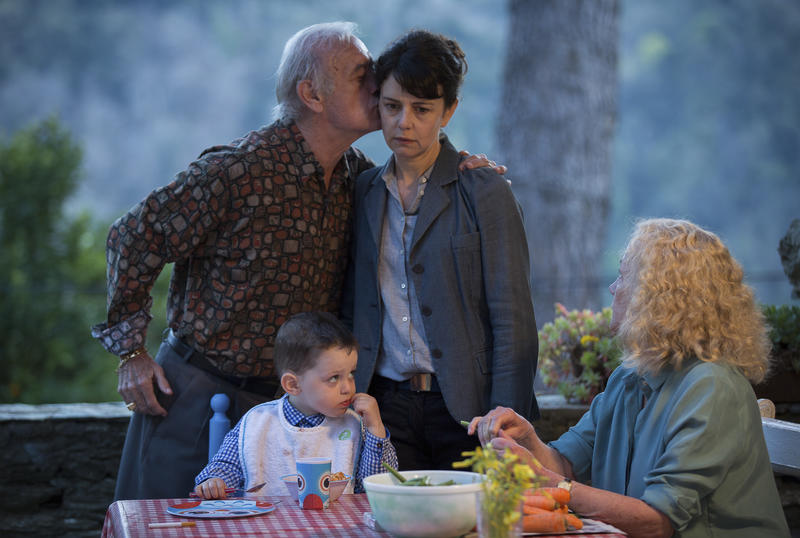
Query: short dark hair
[[425, 64], [303, 336]]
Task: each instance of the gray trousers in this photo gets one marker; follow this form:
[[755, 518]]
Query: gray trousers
[[163, 455]]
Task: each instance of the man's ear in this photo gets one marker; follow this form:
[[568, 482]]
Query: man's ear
[[309, 96], [290, 383]]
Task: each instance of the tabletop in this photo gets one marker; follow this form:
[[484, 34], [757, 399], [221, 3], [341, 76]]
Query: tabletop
[[345, 517]]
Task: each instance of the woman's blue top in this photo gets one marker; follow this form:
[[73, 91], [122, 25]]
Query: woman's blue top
[[687, 442]]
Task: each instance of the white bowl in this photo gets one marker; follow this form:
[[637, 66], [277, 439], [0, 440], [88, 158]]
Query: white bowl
[[425, 511], [335, 491], [337, 487]]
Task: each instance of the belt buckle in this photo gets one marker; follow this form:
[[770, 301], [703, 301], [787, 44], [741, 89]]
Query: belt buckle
[[420, 382]]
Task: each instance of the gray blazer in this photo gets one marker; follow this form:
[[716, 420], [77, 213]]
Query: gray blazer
[[469, 261]]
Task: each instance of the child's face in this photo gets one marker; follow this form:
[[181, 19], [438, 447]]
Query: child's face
[[328, 387]]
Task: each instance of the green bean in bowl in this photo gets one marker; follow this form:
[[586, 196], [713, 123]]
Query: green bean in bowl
[[424, 512], [416, 481]]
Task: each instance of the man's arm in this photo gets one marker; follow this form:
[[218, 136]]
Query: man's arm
[[167, 226], [125, 336]]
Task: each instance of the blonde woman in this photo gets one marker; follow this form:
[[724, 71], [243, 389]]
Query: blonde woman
[[674, 445]]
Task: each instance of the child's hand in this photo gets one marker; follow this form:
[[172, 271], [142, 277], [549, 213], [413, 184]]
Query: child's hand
[[366, 406], [213, 488]]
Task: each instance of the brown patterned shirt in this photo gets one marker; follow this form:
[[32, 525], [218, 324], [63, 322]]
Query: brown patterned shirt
[[255, 238]]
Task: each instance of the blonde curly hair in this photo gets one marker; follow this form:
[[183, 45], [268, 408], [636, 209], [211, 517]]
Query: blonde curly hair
[[688, 299]]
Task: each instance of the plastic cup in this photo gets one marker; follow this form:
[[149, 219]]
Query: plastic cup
[[313, 482]]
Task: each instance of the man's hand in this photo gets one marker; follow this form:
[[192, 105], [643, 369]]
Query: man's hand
[[479, 161], [136, 384]]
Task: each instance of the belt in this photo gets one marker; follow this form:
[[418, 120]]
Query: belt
[[421, 382], [259, 385]]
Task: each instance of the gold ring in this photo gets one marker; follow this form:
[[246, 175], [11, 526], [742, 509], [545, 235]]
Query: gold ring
[[131, 406]]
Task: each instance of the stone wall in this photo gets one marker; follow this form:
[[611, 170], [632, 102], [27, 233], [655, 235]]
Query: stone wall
[[61, 464]]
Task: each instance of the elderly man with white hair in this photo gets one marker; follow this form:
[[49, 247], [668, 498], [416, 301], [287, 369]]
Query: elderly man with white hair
[[258, 230]]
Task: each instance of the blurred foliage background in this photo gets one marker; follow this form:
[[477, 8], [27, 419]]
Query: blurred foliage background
[[104, 101]]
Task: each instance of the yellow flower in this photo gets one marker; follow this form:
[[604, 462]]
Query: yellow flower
[[506, 480], [588, 338]]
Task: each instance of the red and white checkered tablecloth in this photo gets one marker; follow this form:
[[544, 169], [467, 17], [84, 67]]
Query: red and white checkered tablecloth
[[344, 518]]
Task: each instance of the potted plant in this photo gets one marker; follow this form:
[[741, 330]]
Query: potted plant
[[578, 352], [783, 382]]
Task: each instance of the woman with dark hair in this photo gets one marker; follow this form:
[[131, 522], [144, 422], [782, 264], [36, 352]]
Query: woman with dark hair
[[439, 289], [674, 445]]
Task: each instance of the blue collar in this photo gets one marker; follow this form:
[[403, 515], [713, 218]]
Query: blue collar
[[298, 419]]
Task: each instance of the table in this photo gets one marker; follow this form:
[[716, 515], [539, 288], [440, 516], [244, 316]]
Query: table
[[344, 518]]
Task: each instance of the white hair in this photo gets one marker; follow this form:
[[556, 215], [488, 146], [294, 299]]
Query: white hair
[[302, 60]]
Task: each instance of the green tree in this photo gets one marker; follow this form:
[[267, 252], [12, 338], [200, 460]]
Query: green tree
[[52, 275]]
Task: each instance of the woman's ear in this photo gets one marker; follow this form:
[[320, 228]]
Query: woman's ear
[[448, 113], [290, 383], [309, 95]]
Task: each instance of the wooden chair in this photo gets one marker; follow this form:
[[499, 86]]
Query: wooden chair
[[219, 424], [783, 440]]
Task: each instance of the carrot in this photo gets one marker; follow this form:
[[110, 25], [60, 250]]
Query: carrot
[[540, 501], [574, 521], [530, 509], [560, 495], [550, 522]]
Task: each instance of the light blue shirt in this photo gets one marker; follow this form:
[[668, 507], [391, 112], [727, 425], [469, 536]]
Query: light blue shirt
[[688, 443], [404, 346]]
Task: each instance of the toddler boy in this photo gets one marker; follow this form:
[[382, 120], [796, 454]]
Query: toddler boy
[[315, 356]]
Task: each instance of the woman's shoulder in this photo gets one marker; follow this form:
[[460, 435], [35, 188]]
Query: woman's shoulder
[[719, 385], [482, 178], [369, 173], [487, 191], [471, 178], [367, 176], [712, 372]]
